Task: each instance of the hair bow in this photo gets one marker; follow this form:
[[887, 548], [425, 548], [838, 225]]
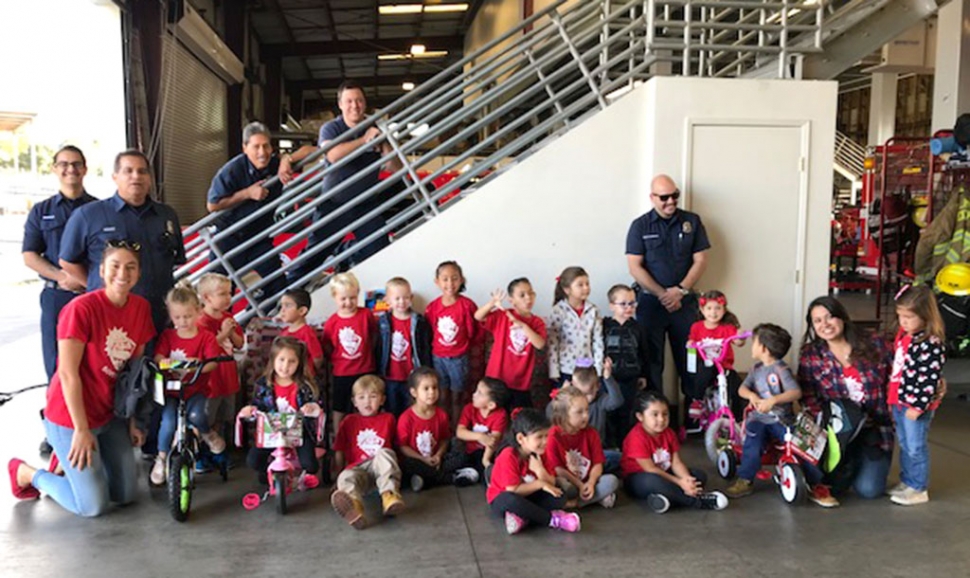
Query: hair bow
[[584, 362], [722, 300]]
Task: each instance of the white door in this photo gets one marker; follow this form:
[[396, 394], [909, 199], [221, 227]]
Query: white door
[[754, 215]]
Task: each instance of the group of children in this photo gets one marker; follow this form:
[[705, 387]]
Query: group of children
[[398, 385]]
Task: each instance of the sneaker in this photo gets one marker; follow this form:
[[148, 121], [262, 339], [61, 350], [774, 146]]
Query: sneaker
[[215, 441], [821, 495], [658, 503], [417, 483], [911, 497], [392, 503], [740, 488], [348, 508], [899, 488], [692, 426], [514, 524], [712, 501], [157, 476], [696, 410], [466, 477], [202, 466], [609, 501], [565, 521]]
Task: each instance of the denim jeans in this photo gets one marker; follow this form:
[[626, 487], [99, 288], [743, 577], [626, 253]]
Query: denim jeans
[[195, 412], [611, 463], [111, 476], [757, 434], [453, 371], [398, 397], [914, 454], [607, 484]]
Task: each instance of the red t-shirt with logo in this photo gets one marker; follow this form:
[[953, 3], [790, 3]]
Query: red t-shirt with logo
[[471, 418], [202, 346], [424, 436], [351, 341], [286, 395], [510, 469], [401, 362], [308, 336], [641, 445], [111, 335], [722, 331], [577, 452], [512, 358], [361, 437], [452, 327], [224, 379]]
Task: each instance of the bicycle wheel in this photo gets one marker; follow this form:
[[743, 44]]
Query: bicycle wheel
[[717, 437], [180, 486], [279, 486]]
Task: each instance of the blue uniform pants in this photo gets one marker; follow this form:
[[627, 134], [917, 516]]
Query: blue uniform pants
[[661, 324], [51, 303]]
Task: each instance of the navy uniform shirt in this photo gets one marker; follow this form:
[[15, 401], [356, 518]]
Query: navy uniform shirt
[[235, 175], [153, 225], [45, 224], [667, 245], [331, 131]]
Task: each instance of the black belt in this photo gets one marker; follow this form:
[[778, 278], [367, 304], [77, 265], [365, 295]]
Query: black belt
[[48, 284]]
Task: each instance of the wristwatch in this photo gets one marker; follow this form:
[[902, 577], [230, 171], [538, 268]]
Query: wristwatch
[[682, 290]]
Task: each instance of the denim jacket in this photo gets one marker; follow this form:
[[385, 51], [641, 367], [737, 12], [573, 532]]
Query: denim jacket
[[420, 341]]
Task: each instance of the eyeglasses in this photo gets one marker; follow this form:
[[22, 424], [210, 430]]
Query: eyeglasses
[[62, 165], [664, 198], [625, 303], [124, 244]]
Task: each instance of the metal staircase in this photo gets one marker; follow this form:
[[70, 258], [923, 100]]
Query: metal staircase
[[479, 117]]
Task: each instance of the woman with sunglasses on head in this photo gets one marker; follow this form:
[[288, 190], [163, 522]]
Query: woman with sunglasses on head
[[97, 333]]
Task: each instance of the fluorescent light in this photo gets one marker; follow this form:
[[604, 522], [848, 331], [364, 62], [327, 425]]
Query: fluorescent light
[[426, 54], [286, 144], [400, 9], [446, 7], [408, 86], [417, 49]]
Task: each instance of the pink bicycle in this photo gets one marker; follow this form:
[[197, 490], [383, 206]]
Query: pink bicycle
[[720, 427], [284, 433]]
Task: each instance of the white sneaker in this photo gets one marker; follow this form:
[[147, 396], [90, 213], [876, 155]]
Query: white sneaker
[[158, 474], [713, 501], [897, 489], [465, 477], [215, 441], [911, 497], [658, 503], [609, 501]]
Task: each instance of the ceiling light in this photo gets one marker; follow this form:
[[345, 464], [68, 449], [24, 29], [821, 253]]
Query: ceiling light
[[400, 9], [446, 7], [407, 86], [417, 49], [426, 54]]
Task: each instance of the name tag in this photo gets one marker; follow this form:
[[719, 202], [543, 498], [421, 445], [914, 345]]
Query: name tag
[[109, 229], [48, 217], [651, 236]]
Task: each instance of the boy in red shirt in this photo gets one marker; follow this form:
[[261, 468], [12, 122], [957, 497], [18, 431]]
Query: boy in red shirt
[[481, 426], [216, 293], [364, 450], [294, 306], [405, 344], [517, 334]]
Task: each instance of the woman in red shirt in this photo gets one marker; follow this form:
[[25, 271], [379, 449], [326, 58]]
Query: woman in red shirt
[[97, 333]]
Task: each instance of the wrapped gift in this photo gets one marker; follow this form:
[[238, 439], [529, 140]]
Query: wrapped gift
[[279, 430]]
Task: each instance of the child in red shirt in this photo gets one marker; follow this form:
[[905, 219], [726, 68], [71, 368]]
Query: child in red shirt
[[294, 306], [350, 338], [364, 450], [453, 326], [518, 334], [481, 426], [423, 433], [520, 488], [216, 293], [718, 323], [651, 464], [405, 344], [574, 452], [185, 342]]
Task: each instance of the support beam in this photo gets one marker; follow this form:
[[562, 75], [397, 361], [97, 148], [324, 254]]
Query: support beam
[[272, 92], [951, 82], [295, 96], [376, 45], [882, 107], [235, 37], [365, 81]]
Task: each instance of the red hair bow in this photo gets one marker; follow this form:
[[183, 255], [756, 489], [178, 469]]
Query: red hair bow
[[722, 300]]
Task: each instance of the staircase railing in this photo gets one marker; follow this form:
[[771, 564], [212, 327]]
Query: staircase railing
[[850, 156], [486, 112]]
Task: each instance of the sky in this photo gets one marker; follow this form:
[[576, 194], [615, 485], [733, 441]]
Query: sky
[[62, 59]]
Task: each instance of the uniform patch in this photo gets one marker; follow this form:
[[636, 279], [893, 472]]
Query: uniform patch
[[686, 227]]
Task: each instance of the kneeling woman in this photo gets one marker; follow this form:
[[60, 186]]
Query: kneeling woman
[[97, 333]]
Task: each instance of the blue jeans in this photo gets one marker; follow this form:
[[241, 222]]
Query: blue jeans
[[453, 371], [398, 397], [641, 485], [611, 463], [195, 414], [111, 477], [914, 454], [757, 434]]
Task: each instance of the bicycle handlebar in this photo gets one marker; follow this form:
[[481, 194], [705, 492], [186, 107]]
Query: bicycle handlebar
[[193, 365], [705, 346]]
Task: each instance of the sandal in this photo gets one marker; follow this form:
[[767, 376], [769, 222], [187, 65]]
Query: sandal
[[21, 493]]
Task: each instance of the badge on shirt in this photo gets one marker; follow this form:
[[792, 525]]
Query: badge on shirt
[[773, 380], [687, 228], [170, 227]]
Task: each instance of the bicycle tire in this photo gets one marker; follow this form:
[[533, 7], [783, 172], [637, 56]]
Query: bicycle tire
[[279, 486], [180, 486]]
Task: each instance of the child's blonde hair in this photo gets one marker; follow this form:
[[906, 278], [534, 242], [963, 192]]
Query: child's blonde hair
[[345, 281], [183, 294], [368, 383], [302, 376], [399, 282], [212, 281], [921, 301], [563, 400]]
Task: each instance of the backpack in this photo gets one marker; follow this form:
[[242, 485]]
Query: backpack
[[133, 391], [844, 420]]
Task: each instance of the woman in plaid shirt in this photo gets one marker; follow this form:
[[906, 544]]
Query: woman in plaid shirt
[[838, 361]]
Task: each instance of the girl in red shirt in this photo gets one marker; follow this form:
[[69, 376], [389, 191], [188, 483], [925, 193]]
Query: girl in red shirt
[[651, 465], [183, 343], [717, 323], [423, 433], [574, 452], [518, 334], [520, 488]]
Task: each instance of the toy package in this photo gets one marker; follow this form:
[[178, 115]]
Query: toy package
[[808, 438]]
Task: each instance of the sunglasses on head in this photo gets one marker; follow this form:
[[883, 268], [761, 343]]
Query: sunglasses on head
[[664, 198], [124, 244]]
